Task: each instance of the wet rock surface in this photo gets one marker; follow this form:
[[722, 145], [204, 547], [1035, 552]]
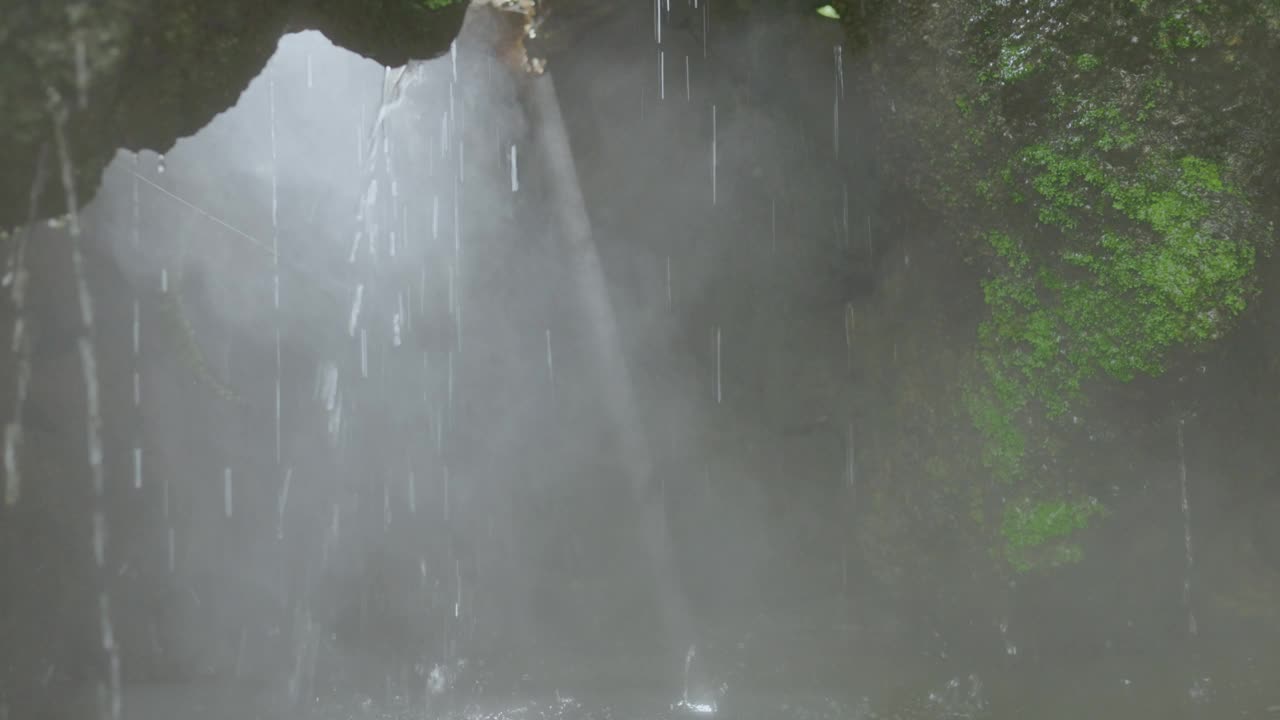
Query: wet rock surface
[[140, 75]]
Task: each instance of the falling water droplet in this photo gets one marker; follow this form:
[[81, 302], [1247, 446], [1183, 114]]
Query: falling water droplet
[[137, 468]]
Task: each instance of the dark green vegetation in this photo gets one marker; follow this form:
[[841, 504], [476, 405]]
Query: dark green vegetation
[[1106, 164]]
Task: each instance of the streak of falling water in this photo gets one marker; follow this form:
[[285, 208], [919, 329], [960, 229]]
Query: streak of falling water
[[706, 21], [688, 94], [413, 494], [669, 300], [773, 224], [714, 159], [838, 52], [386, 507], [850, 473], [16, 278], [1186, 534], [835, 127], [88, 363], [551, 368], [275, 238], [99, 538], [457, 228], [662, 75], [515, 176], [849, 327], [226, 491], [355, 310], [283, 502], [364, 353], [718, 393], [457, 584]]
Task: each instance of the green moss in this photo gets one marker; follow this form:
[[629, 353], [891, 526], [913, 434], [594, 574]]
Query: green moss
[[1037, 534], [1182, 30], [1143, 263], [1087, 62], [994, 414], [1015, 62]]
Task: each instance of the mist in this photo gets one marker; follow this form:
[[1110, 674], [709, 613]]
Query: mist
[[615, 390]]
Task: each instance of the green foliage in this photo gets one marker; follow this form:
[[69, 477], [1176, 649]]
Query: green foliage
[[438, 4], [1143, 264], [1183, 29], [1037, 533], [1091, 156], [1015, 62], [1087, 61], [994, 414]]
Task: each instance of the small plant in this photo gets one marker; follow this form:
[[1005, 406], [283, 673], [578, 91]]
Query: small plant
[[1037, 533], [1015, 62], [1087, 62]]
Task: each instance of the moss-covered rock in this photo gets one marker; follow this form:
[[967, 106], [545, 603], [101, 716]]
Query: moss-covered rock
[[1103, 167]]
